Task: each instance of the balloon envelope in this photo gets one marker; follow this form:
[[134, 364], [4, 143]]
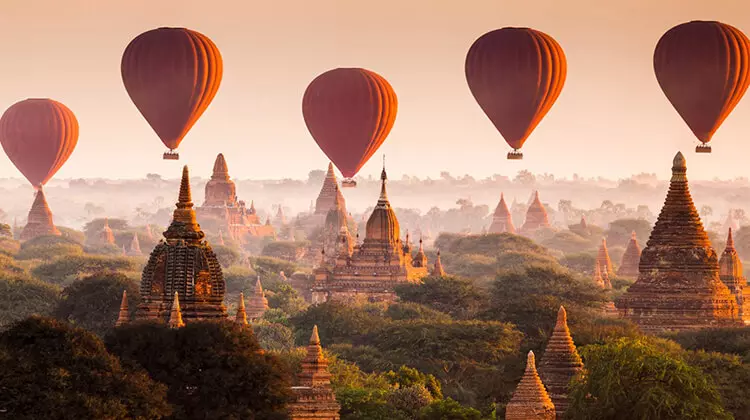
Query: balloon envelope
[[702, 67], [172, 75], [516, 75], [38, 135], [349, 112]]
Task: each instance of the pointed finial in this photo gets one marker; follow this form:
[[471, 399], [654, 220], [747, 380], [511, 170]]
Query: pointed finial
[[562, 317], [530, 361], [632, 235], [123, 317], [730, 240], [679, 161], [241, 316], [185, 197], [175, 316], [314, 337], [258, 287]]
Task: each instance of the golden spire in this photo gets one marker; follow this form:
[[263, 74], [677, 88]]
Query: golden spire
[[315, 366], [123, 317], [598, 279], [39, 221], [175, 316], [314, 337], [437, 270], [604, 261], [220, 172], [135, 245], [184, 224], [383, 179], [241, 316], [530, 400], [560, 363]]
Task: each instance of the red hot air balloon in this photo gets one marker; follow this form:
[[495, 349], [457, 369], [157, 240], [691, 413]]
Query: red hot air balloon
[[702, 67], [38, 135], [515, 74], [349, 112], [172, 75]]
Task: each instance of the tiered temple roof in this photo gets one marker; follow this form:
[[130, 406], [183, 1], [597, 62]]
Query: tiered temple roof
[[329, 193], [605, 263], [314, 397], [502, 222], [630, 259], [373, 268], [731, 274], [258, 302], [678, 287], [530, 400], [183, 262], [39, 222], [135, 246], [536, 216], [560, 363]]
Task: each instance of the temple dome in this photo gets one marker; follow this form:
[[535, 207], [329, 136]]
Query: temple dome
[[383, 224]]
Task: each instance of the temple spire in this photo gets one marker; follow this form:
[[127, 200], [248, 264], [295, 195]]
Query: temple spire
[[605, 262], [241, 316], [315, 366], [221, 171], [39, 221], [502, 221], [437, 270], [383, 180], [184, 225], [175, 316], [560, 363], [631, 258], [530, 400], [123, 317], [258, 302], [598, 279], [135, 245]]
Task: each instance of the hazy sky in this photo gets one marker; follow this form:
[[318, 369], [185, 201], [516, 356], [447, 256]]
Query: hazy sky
[[611, 118]]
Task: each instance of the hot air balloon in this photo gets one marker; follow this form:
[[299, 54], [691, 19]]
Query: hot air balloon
[[172, 75], [38, 135], [702, 67], [515, 74], [349, 112]]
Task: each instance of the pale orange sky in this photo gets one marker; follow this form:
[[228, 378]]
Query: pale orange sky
[[611, 118]]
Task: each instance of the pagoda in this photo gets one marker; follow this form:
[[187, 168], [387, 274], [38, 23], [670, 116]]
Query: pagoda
[[39, 222], [630, 259], [420, 260], [536, 216], [221, 204], [330, 195], [241, 316], [678, 286], [605, 263], [123, 317], [530, 400], [437, 269], [258, 302], [560, 363], [370, 270], [314, 397], [183, 264], [336, 221], [135, 246], [731, 274], [502, 222], [598, 278], [105, 236]]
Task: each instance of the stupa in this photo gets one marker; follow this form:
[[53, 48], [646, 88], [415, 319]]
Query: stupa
[[598, 278], [536, 216], [502, 222], [420, 260], [241, 316], [135, 246], [560, 364], [183, 263], [530, 400], [314, 397], [221, 203], [731, 274], [605, 263], [678, 286], [39, 222], [123, 317], [330, 194], [369, 270], [437, 269], [630, 259], [105, 236], [258, 302]]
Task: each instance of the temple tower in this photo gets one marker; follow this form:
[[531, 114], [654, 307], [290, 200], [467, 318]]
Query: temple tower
[[502, 221], [530, 400], [536, 216], [123, 317], [258, 302], [241, 316], [560, 364], [437, 269], [420, 260], [678, 286], [220, 189], [314, 397], [105, 236], [605, 263], [39, 222], [135, 246], [630, 259], [731, 274], [183, 262], [329, 194]]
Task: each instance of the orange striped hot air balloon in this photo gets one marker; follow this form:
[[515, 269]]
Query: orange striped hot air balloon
[[703, 69], [349, 112], [172, 75], [516, 75], [38, 135]]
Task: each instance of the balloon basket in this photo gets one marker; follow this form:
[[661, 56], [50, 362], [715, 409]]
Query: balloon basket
[[348, 183], [703, 148], [171, 155], [515, 155]]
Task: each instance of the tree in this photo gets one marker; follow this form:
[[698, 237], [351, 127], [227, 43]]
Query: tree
[[285, 250], [65, 270], [239, 279], [408, 310], [582, 262], [620, 231], [706, 212], [724, 340], [211, 369], [269, 265], [285, 297], [93, 302], [337, 323], [22, 296], [449, 409], [47, 252], [635, 379], [227, 256], [92, 228], [455, 296], [315, 177], [49, 369], [727, 371], [273, 336]]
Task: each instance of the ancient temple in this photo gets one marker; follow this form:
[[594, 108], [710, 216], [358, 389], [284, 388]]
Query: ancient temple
[[605, 263], [530, 400], [183, 264], [437, 269], [420, 260], [175, 313], [330, 194], [560, 364], [241, 316], [314, 397], [630, 259], [369, 270], [536, 216], [221, 204], [280, 219], [105, 236], [502, 222], [123, 317], [731, 274], [258, 302], [678, 286], [39, 222], [336, 221], [598, 278]]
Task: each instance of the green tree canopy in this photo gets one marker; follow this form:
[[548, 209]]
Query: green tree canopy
[[635, 379], [400, 311], [93, 302], [65, 270], [22, 296], [227, 256], [50, 370], [459, 297], [620, 230], [47, 252], [212, 369], [337, 323]]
